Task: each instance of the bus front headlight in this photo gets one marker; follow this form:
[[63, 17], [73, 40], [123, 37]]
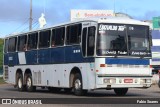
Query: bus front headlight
[[142, 81], [109, 81], [148, 80], [136, 80]]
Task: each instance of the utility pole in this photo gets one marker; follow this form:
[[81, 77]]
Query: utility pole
[[114, 6], [30, 18]]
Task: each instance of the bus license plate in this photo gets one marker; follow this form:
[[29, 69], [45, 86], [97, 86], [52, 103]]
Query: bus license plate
[[128, 80]]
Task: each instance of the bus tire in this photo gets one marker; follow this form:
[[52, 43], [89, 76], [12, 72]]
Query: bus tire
[[121, 91], [29, 83], [20, 83], [77, 85]]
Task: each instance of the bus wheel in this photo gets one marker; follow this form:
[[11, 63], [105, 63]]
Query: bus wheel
[[20, 83], [77, 85], [159, 81], [120, 91], [29, 83]]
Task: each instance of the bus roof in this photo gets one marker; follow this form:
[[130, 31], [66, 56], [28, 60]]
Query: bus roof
[[122, 20], [118, 20]]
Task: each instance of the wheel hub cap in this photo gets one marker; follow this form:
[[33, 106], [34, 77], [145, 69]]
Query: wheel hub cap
[[29, 82], [19, 83], [77, 84]]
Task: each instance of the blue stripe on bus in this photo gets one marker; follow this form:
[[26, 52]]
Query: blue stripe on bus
[[127, 61], [5, 59], [74, 54], [31, 57], [156, 59], [68, 54], [11, 59], [155, 34], [155, 48]]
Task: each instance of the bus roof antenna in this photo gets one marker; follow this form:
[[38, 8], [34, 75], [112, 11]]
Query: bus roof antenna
[[30, 18]]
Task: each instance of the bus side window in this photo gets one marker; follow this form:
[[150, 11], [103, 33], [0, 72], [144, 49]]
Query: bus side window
[[22, 43], [32, 41], [12, 44], [44, 39], [59, 36], [91, 40], [74, 34]]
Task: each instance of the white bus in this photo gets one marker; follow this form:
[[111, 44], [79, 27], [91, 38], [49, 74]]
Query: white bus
[[104, 53], [155, 50]]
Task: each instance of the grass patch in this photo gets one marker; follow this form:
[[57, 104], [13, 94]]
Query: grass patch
[[1, 80]]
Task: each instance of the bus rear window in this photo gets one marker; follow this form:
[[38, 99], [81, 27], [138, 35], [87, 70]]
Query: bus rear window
[[6, 46], [12, 44]]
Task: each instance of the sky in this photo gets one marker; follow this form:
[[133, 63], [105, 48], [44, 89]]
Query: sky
[[14, 14]]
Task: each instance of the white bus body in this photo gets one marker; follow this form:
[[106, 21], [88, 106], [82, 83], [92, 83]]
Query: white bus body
[[83, 60]]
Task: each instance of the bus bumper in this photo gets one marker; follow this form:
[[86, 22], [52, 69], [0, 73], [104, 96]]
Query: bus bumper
[[124, 82]]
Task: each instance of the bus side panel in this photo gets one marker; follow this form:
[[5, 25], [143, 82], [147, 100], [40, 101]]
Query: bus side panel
[[13, 59], [73, 54], [5, 59], [52, 75], [11, 75], [44, 56], [56, 75], [89, 71], [31, 57], [57, 55]]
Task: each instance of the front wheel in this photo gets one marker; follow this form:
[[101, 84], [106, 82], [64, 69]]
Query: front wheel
[[29, 83], [159, 82], [121, 91], [77, 85]]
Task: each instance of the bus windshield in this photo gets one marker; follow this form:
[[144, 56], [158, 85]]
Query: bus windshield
[[123, 40]]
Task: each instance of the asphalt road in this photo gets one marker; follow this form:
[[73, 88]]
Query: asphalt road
[[8, 91]]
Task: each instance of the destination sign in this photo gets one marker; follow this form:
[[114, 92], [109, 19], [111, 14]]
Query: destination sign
[[112, 27]]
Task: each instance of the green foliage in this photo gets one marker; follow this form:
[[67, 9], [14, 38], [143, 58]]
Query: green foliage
[[2, 81]]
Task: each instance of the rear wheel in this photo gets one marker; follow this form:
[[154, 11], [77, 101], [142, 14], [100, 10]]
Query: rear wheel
[[121, 91], [29, 83], [77, 85], [20, 82]]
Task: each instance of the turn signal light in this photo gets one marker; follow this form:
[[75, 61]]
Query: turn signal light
[[150, 66], [102, 65]]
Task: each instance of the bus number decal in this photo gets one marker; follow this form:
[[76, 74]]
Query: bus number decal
[[10, 58], [76, 51]]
